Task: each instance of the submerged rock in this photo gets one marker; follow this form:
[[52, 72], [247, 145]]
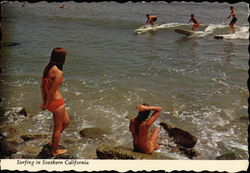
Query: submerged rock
[[180, 136], [227, 156], [70, 140], [11, 44], [45, 154], [117, 152], [189, 152], [23, 112], [92, 132], [28, 137]]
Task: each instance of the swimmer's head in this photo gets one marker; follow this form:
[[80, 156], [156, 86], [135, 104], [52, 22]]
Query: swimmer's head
[[231, 7], [147, 15], [192, 15]]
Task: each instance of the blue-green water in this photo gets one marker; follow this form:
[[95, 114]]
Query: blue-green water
[[200, 82]]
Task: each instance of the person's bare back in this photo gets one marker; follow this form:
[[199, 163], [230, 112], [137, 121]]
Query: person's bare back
[[144, 141]]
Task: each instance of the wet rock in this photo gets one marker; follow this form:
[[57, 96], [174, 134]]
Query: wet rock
[[242, 113], [28, 137], [70, 140], [180, 136], [227, 156], [10, 131], [30, 152], [2, 137], [92, 132], [117, 152], [22, 112], [8, 147], [189, 152], [45, 154]]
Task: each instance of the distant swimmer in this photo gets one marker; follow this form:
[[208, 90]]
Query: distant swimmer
[[23, 4], [234, 18], [150, 19], [143, 140], [196, 24], [61, 6]]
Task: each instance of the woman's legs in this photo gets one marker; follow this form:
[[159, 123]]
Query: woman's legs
[[233, 27], [153, 142], [66, 120], [154, 137], [61, 121]]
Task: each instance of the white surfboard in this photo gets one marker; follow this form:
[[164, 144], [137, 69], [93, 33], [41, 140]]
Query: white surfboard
[[185, 32], [147, 28]]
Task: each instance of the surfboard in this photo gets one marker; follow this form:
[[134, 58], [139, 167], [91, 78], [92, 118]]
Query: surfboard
[[185, 32], [146, 28]]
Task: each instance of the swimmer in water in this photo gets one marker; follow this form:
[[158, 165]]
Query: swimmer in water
[[196, 24], [234, 18]]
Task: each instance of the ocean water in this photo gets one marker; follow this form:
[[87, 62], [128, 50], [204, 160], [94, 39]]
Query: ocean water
[[200, 82]]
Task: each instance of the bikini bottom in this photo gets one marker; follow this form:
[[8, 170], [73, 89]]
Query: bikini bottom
[[54, 105]]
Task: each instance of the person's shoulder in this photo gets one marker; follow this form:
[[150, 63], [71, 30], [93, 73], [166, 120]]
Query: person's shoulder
[[132, 119], [55, 71]]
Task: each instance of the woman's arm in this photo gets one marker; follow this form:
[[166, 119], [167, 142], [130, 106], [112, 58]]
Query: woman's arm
[[154, 116], [56, 77], [43, 105]]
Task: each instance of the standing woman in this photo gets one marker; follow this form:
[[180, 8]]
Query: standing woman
[[53, 100]]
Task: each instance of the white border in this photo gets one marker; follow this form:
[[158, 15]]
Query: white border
[[124, 165]]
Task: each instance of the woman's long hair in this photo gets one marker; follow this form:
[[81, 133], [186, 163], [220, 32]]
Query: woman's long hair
[[142, 116], [57, 58]]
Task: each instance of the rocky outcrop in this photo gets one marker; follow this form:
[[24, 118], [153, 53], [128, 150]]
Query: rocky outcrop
[[92, 132], [9, 146], [116, 152], [45, 154], [181, 137]]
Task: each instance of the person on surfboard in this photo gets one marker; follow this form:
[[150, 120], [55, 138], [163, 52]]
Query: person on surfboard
[[150, 20], [195, 21], [143, 140], [234, 18]]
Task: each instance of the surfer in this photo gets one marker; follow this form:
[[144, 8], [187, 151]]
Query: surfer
[[150, 19], [52, 98], [234, 18], [195, 21], [140, 129]]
